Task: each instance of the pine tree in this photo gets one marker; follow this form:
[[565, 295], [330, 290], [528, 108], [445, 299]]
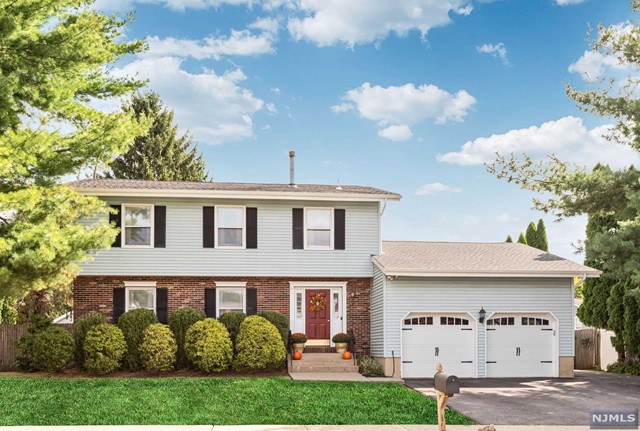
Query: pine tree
[[522, 239], [509, 239], [631, 325], [530, 235], [541, 234], [161, 154], [615, 309]]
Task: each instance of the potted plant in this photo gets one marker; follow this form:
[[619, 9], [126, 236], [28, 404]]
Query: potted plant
[[298, 339], [341, 341]]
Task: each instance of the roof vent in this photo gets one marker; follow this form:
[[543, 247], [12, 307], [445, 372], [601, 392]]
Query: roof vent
[[292, 169]]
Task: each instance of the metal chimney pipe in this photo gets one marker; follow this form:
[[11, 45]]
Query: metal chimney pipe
[[292, 169]]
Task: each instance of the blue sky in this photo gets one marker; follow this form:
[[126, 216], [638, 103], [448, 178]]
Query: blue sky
[[412, 96]]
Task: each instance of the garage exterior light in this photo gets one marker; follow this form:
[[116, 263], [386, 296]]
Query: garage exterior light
[[482, 314]]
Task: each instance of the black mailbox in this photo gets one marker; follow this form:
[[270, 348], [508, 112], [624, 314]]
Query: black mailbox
[[446, 383]]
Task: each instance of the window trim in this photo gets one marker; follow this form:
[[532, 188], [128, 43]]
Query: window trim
[[140, 285], [123, 226], [227, 286], [244, 227], [332, 229]]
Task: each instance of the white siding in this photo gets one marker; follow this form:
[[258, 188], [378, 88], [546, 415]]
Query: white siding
[[377, 313], [184, 254], [470, 294]]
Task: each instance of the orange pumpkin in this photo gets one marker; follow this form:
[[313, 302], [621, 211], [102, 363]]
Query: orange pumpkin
[[297, 356], [346, 355]]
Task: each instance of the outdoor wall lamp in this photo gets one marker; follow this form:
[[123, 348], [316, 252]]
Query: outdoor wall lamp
[[482, 313]]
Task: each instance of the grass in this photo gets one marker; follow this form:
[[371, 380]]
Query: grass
[[210, 401]]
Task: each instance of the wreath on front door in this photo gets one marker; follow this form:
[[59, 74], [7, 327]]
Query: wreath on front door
[[318, 302]]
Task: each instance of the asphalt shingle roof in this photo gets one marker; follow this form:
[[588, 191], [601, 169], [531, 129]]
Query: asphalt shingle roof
[[470, 258], [118, 184]]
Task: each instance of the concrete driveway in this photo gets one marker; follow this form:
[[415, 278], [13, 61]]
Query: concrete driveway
[[539, 401]]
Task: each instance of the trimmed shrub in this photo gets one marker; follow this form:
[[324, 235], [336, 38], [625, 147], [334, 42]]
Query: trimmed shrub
[[232, 321], [208, 346], [259, 346], [80, 329], [368, 366], [49, 350], [280, 321], [158, 348], [625, 367], [179, 322], [104, 348], [133, 323]]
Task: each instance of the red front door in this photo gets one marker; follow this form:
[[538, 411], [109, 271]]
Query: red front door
[[317, 308]]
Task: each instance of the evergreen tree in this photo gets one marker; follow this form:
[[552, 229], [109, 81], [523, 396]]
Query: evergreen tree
[[615, 309], [541, 234], [509, 239], [522, 239], [631, 324], [161, 154], [531, 235]]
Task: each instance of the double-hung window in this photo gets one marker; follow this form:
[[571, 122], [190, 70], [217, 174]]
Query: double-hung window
[[319, 228], [230, 224], [232, 298], [137, 224]]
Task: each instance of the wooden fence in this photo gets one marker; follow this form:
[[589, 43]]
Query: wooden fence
[[9, 334], [587, 349]]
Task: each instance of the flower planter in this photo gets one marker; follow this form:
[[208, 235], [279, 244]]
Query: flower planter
[[298, 347], [341, 347]]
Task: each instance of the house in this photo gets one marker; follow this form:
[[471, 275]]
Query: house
[[314, 253]]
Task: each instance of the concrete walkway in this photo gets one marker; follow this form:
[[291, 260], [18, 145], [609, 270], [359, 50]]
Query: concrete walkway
[[342, 377], [293, 428]]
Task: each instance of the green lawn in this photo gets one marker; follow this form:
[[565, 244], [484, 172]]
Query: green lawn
[[215, 401]]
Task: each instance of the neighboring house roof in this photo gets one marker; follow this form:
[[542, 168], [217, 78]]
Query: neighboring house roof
[[418, 258], [116, 187]]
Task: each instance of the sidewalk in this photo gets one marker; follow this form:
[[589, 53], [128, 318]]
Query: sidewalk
[[292, 428]]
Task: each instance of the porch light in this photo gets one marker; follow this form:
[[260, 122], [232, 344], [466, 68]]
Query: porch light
[[481, 314]]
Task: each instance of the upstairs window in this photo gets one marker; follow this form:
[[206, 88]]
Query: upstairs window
[[137, 224], [230, 222], [319, 228]]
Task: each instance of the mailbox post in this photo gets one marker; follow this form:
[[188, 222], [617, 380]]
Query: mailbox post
[[445, 386]]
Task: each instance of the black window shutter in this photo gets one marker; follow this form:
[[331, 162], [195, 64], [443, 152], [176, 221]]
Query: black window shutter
[[117, 220], [118, 304], [339, 218], [162, 305], [208, 227], [252, 227], [210, 302], [298, 228], [160, 227], [252, 301]]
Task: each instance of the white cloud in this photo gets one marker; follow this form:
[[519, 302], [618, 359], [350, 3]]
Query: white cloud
[[568, 2], [397, 133], [406, 105], [271, 108], [270, 25], [593, 65], [179, 5], [239, 43], [275, 90], [567, 138], [328, 22], [213, 107], [434, 188], [498, 51]]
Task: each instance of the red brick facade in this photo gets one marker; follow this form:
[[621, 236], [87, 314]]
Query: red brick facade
[[95, 293]]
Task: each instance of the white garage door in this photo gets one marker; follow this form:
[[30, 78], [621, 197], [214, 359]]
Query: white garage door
[[431, 338], [520, 346]]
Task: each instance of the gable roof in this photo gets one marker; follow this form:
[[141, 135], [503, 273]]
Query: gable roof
[[421, 258], [119, 187]]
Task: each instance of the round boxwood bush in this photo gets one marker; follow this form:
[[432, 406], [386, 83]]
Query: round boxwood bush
[[80, 329], [133, 323], [232, 321], [259, 346], [208, 346], [104, 347], [158, 348], [280, 321], [179, 322], [50, 349]]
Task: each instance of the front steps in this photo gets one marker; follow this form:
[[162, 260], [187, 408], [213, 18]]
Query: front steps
[[322, 363]]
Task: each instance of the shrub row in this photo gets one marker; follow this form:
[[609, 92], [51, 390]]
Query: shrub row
[[139, 341]]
